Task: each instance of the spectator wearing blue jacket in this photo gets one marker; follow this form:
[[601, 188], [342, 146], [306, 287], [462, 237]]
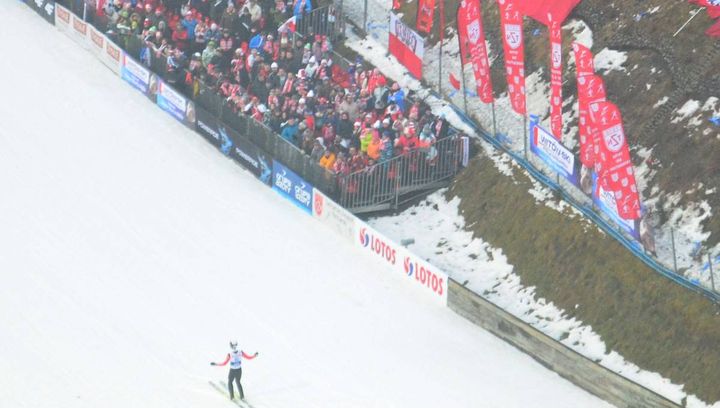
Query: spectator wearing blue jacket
[[189, 22], [397, 96], [290, 130], [301, 7]]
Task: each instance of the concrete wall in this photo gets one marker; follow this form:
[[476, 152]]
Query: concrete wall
[[572, 366]]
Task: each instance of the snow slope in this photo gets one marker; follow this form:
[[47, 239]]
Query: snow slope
[[131, 252]]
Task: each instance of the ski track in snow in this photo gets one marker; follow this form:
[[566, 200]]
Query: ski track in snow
[[132, 251]]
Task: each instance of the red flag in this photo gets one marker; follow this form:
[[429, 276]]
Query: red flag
[[511, 23], [712, 7], [471, 35], [614, 166], [396, 5], [591, 89], [584, 63], [424, 20], [546, 11], [454, 82], [556, 100], [714, 30]]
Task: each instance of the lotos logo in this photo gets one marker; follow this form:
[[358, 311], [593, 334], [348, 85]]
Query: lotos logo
[[377, 245], [319, 204], [364, 238], [409, 266], [424, 276]]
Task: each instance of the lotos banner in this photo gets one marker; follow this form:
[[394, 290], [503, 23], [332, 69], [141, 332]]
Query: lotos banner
[[46, 9], [407, 46], [553, 153], [511, 23], [471, 35], [424, 17], [292, 186], [556, 80], [419, 272]]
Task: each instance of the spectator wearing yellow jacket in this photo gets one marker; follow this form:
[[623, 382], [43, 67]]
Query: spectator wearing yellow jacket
[[328, 159]]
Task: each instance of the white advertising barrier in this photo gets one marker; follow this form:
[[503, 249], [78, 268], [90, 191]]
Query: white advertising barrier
[[79, 31], [427, 278], [96, 41], [63, 19], [112, 56], [333, 216]]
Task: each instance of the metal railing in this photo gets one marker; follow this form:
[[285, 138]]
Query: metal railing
[[389, 184], [320, 21]]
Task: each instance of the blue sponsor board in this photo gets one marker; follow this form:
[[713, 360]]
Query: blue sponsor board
[[605, 201], [135, 74], [294, 188], [558, 157], [171, 101]]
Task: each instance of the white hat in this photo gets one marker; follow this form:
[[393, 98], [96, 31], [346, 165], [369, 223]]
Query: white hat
[[376, 125], [301, 101], [274, 65], [311, 94]]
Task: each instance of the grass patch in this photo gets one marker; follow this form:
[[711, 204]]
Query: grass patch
[[648, 319]]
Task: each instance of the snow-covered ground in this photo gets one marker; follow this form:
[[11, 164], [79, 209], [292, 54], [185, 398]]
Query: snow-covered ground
[[131, 252], [484, 267]]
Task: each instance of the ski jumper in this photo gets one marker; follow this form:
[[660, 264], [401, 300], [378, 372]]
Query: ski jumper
[[235, 359]]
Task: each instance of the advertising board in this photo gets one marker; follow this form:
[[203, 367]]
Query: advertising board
[[292, 187], [63, 18], [174, 103], [137, 75], [79, 30], [46, 9], [553, 153], [333, 215], [250, 156], [418, 271]]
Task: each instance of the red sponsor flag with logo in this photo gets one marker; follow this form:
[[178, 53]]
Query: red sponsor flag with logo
[[424, 20], [511, 24], [613, 164], [546, 11], [714, 30], [584, 61], [556, 120], [471, 35], [591, 89]]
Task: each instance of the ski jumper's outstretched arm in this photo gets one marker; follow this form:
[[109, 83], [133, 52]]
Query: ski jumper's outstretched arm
[[227, 359], [249, 357]]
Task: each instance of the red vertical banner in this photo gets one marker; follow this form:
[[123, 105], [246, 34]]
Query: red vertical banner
[[584, 67], [591, 89], [613, 164], [511, 23], [424, 20], [556, 100], [471, 35]]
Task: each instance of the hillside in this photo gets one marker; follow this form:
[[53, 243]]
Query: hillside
[[665, 87]]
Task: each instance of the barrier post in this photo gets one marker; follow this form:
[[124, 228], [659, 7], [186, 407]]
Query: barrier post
[[672, 240], [712, 278]]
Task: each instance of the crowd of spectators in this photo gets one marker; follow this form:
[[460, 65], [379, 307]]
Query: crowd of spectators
[[344, 117]]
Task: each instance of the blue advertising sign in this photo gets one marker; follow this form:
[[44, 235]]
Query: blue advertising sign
[[553, 153], [605, 201], [294, 188], [171, 101], [135, 74]]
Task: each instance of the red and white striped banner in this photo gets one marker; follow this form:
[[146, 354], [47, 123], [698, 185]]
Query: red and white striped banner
[[406, 45], [556, 120]]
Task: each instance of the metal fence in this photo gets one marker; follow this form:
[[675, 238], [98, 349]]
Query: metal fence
[[324, 20], [389, 184]]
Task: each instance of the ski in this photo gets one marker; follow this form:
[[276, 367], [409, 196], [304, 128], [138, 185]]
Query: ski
[[242, 403], [224, 392]]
